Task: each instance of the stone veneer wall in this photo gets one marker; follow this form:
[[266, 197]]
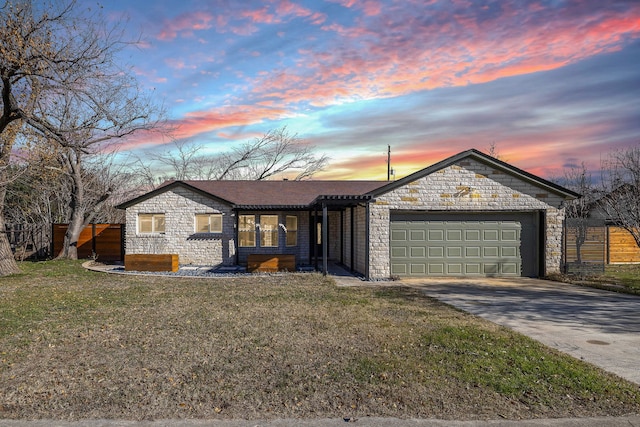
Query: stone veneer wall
[[180, 206], [359, 239], [468, 185]]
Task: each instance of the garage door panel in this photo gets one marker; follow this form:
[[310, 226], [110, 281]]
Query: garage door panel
[[490, 251], [472, 235], [490, 235], [418, 251], [510, 269], [417, 235], [510, 235], [436, 235], [398, 235], [509, 251], [489, 268], [490, 245], [454, 252], [454, 235], [435, 251], [398, 252], [471, 268], [472, 251], [436, 268], [455, 269], [400, 269], [418, 269]]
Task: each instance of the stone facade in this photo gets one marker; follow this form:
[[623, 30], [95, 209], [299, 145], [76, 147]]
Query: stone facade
[[359, 233], [469, 186], [180, 206]]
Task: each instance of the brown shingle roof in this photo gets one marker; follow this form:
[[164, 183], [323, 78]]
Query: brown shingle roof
[[282, 193]]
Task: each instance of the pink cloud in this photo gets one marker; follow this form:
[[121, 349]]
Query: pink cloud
[[177, 64], [185, 24], [199, 122], [286, 8], [262, 16], [150, 75], [405, 54]]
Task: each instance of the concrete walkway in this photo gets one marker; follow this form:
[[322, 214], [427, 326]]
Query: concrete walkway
[[600, 327]]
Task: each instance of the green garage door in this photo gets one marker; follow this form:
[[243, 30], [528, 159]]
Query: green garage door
[[464, 244]]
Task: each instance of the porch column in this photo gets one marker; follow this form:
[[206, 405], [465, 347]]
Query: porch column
[[367, 241], [325, 237], [352, 242], [342, 237], [314, 237]]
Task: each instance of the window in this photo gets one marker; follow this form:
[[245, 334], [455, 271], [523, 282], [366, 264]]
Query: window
[[247, 230], [292, 230], [151, 223], [269, 231], [209, 223]]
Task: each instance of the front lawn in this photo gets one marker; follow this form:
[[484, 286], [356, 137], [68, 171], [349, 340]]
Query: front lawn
[[77, 344]]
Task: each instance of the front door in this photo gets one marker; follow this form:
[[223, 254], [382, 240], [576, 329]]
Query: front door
[[316, 235]]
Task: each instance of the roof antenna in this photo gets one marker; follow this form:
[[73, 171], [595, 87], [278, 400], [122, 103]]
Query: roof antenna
[[388, 162]]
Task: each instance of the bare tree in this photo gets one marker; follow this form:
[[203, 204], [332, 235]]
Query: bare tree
[[494, 152], [275, 153], [46, 52], [109, 108], [621, 189], [181, 161], [578, 210]]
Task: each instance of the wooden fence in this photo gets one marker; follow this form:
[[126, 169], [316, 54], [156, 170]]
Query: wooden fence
[[621, 247], [601, 244], [104, 242]]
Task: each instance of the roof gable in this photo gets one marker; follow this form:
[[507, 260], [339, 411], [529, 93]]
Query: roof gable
[[483, 158]]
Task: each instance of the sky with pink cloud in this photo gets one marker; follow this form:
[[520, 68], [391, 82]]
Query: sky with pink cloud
[[552, 83]]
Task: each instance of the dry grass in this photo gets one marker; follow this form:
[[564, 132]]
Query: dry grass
[[623, 278], [76, 344]]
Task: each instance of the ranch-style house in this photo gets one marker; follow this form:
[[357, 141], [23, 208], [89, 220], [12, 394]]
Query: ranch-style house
[[468, 215]]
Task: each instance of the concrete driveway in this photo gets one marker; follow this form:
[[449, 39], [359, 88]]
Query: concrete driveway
[[600, 327]]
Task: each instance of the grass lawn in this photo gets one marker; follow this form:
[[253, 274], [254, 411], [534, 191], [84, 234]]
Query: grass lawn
[[617, 277], [627, 275], [76, 344]]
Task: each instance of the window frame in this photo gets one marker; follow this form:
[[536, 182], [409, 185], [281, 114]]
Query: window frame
[[153, 217], [209, 216], [273, 234], [291, 231], [250, 231]]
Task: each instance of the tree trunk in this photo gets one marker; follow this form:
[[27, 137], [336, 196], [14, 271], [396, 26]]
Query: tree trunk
[[76, 205], [8, 263], [71, 236]]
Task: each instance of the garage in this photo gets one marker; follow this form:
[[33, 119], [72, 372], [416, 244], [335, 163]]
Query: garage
[[465, 244]]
